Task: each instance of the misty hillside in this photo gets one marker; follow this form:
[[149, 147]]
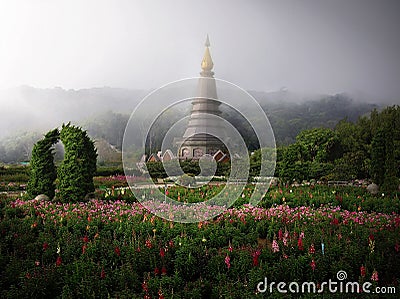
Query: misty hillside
[[289, 116], [27, 113], [42, 109]]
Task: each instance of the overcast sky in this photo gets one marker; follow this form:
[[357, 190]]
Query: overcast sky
[[303, 45]]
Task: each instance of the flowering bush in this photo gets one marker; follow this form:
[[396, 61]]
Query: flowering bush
[[114, 248]]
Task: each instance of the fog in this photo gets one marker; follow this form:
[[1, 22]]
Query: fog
[[308, 47]]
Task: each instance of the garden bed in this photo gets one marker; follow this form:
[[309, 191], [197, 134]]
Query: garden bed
[[117, 249]]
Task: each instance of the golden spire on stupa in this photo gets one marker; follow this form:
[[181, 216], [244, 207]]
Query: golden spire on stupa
[[207, 63]]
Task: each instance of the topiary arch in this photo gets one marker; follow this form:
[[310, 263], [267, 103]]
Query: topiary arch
[[43, 170], [74, 175]]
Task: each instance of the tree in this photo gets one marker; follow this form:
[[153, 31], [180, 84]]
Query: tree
[[75, 174], [311, 156], [43, 170], [385, 129]]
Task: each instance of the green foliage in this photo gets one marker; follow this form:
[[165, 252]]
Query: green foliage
[[156, 169], [13, 174], [43, 170], [385, 155], [75, 174], [378, 153], [369, 148], [311, 156], [109, 170]]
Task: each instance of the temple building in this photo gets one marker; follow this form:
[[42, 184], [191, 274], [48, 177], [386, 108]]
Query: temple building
[[204, 124]]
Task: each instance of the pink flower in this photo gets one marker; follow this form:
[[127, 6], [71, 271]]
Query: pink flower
[[228, 261], [275, 246], [280, 234], [374, 276]]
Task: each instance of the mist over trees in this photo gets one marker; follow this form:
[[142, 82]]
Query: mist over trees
[[104, 113]]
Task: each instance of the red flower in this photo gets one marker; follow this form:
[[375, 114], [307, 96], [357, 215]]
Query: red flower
[[160, 295], [171, 243], [313, 265], [148, 243], [371, 237], [255, 261], [102, 273], [156, 271], [117, 251], [362, 271], [163, 270], [280, 235], [85, 239], [255, 256], [162, 252], [335, 221], [300, 244], [311, 250], [145, 286], [58, 261], [45, 246]]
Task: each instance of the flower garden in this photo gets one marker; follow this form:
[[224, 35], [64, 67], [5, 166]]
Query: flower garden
[[111, 247]]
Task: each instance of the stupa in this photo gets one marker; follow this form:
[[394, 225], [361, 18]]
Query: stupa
[[204, 125]]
